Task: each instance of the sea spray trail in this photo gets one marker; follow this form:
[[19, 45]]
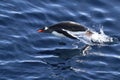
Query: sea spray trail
[[104, 40]]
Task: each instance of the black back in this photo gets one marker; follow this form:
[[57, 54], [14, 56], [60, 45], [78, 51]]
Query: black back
[[68, 25]]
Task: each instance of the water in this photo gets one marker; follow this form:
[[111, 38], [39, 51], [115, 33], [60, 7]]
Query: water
[[26, 54]]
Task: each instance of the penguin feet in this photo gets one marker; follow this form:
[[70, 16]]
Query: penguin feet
[[85, 49]]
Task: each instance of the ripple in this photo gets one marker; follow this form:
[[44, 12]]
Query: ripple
[[102, 10], [26, 54], [5, 42], [21, 61], [108, 22]]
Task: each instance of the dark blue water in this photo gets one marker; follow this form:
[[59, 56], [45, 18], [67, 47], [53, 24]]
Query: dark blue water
[[26, 54]]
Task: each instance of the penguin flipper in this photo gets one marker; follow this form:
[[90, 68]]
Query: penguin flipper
[[67, 34]]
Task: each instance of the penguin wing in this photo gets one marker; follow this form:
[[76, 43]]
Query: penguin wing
[[67, 34]]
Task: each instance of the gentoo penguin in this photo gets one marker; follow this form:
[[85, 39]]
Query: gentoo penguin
[[75, 30], [63, 29]]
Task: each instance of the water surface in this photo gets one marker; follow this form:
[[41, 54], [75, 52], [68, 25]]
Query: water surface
[[26, 54]]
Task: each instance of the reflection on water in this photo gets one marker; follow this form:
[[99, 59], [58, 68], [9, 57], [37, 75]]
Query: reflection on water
[[63, 53]]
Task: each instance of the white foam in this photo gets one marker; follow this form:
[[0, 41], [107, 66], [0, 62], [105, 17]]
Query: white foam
[[95, 38], [101, 37]]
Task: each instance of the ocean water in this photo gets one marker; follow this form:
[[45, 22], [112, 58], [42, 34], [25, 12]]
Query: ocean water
[[26, 54]]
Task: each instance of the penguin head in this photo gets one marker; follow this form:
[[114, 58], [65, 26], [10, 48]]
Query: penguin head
[[44, 29]]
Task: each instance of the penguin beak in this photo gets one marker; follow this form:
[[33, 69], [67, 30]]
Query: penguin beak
[[40, 30]]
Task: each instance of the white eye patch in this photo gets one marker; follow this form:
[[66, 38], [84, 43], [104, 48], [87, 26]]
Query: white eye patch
[[46, 28]]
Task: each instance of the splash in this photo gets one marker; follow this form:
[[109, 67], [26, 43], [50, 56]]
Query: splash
[[98, 38], [95, 38], [103, 39]]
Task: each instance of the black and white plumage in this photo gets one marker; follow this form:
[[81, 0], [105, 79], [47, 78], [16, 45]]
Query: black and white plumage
[[75, 30], [67, 29], [64, 29]]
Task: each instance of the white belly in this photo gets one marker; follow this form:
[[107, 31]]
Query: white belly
[[57, 34]]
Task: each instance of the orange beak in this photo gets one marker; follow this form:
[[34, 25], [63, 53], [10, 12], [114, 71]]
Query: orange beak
[[40, 30]]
